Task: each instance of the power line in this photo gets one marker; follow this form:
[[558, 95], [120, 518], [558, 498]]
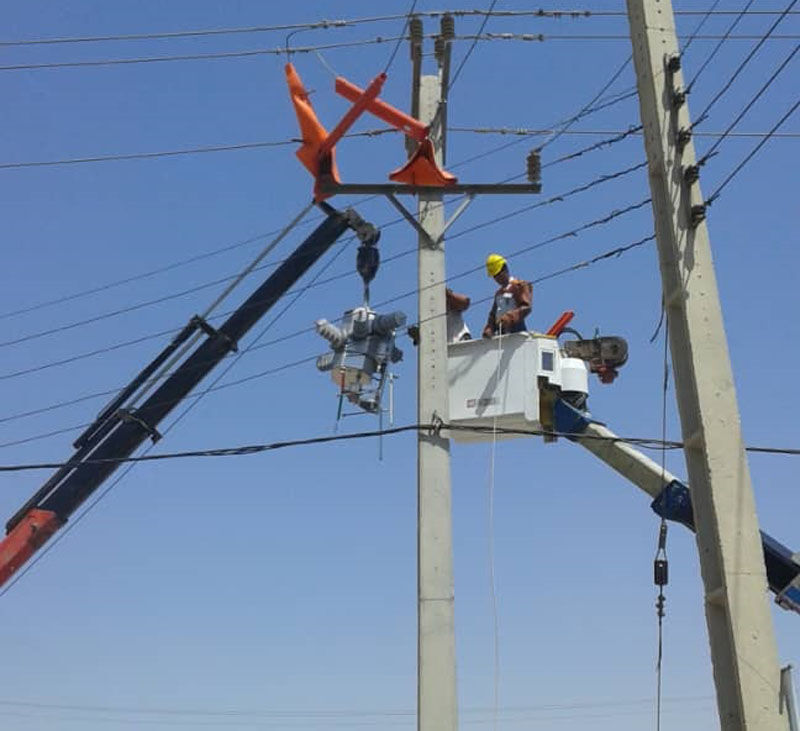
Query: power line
[[472, 47], [351, 22], [550, 201], [245, 450], [748, 106], [396, 48], [530, 132], [713, 197], [205, 285], [713, 53], [613, 253], [510, 131], [174, 153], [585, 112], [198, 56], [699, 26], [63, 361], [345, 44], [704, 114], [589, 105]]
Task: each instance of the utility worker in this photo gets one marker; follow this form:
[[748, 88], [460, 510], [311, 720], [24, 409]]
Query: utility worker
[[457, 329], [512, 301]]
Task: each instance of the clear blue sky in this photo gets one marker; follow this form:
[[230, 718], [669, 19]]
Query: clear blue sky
[[279, 591]]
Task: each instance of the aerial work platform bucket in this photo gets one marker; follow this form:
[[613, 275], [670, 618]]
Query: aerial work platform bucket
[[509, 382]]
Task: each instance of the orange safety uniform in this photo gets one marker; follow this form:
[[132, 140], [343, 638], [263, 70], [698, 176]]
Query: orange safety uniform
[[512, 303]]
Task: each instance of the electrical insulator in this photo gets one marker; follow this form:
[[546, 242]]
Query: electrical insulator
[[448, 27], [438, 48], [534, 166], [415, 30], [336, 337]]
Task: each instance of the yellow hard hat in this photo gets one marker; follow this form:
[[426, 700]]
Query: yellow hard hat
[[494, 263]]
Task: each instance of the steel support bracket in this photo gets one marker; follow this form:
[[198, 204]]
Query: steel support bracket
[[419, 229], [130, 416], [212, 332]]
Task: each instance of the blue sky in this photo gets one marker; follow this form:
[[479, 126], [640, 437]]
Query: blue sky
[[279, 591]]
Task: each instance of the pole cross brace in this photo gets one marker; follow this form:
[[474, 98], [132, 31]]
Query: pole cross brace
[[432, 243]]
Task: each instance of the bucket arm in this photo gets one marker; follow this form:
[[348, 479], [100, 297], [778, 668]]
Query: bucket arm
[[120, 428], [671, 497]]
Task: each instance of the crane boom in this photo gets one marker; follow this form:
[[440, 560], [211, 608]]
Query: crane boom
[[118, 431]]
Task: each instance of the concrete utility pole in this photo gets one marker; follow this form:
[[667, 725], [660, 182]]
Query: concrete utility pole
[[436, 669], [741, 636]]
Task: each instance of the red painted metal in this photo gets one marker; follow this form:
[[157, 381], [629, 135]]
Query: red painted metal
[[400, 120], [25, 539], [558, 326]]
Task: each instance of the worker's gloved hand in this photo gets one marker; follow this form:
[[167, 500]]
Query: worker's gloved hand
[[488, 332]]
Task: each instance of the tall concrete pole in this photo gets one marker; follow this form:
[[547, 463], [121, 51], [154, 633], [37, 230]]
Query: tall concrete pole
[[743, 649], [436, 673]]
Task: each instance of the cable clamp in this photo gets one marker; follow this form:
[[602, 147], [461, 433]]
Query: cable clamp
[[674, 64], [437, 423], [691, 174], [678, 98], [698, 215], [684, 135], [212, 332], [127, 415]]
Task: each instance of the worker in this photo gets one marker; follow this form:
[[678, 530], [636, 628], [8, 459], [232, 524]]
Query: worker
[[457, 329], [512, 301]]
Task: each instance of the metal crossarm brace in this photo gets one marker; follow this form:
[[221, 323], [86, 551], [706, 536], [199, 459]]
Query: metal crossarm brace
[[420, 230]]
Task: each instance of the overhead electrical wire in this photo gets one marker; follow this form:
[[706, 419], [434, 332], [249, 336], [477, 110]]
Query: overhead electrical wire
[[510, 131], [613, 253], [281, 51], [719, 45], [192, 402], [712, 150], [63, 361], [352, 22], [704, 114], [174, 153], [699, 26], [713, 197], [637, 130], [396, 48], [318, 712], [470, 49], [215, 252], [249, 449]]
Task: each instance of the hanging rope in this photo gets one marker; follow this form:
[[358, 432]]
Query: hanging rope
[[660, 564], [490, 540]]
